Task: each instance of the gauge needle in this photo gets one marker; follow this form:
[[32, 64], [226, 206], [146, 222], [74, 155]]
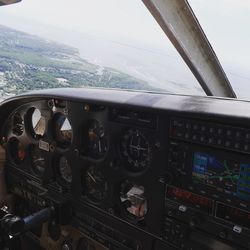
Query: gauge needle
[[38, 159], [138, 147], [100, 147], [91, 177]]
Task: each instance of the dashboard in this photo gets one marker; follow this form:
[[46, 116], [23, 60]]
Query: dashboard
[[129, 170]]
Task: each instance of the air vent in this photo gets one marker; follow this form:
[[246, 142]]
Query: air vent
[[133, 117]]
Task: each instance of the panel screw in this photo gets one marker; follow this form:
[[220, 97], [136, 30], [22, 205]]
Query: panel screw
[[86, 108], [76, 151]]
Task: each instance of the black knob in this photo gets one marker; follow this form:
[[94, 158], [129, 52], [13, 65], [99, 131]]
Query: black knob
[[67, 246], [54, 230], [223, 234], [195, 221]]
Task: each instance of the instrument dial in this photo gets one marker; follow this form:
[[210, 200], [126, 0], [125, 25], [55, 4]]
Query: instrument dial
[[17, 150], [133, 200], [136, 151], [38, 162], [65, 170], [38, 122], [18, 124], [96, 145], [96, 187], [62, 130]]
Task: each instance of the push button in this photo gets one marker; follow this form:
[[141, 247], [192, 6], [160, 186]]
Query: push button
[[182, 208], [237, 229]]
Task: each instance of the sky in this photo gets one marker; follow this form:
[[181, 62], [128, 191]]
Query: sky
[[115, 18], [226, 23], [123, 34]]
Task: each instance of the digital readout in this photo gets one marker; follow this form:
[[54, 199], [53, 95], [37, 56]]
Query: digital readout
[[225, 175], [232, 214], [190, 199]]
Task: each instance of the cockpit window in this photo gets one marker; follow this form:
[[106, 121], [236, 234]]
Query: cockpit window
[[110, 44], [229, 34]]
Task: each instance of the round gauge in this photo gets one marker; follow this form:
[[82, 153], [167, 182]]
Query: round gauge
[[96, 144], [38, 122], [17, 150], [136, 151], [38, 162], [18, 124], [65, 170], [62, 130], [96, 187], [133, 200]]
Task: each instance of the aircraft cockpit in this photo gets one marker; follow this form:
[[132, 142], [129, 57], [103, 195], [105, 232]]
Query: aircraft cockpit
[[103, 168]]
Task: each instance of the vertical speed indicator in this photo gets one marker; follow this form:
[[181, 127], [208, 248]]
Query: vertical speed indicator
[[95, 185], [38, 162]]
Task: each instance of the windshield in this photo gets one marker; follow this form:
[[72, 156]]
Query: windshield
[[228, 32], [112, 44]]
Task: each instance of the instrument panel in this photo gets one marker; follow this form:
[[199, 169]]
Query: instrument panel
[[129, 176]]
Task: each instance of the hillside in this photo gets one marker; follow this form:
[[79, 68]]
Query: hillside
[[28, 62]]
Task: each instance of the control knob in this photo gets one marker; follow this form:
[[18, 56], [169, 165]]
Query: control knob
[[195, 221]]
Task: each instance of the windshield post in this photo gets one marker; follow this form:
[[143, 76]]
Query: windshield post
[[180, 24]]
